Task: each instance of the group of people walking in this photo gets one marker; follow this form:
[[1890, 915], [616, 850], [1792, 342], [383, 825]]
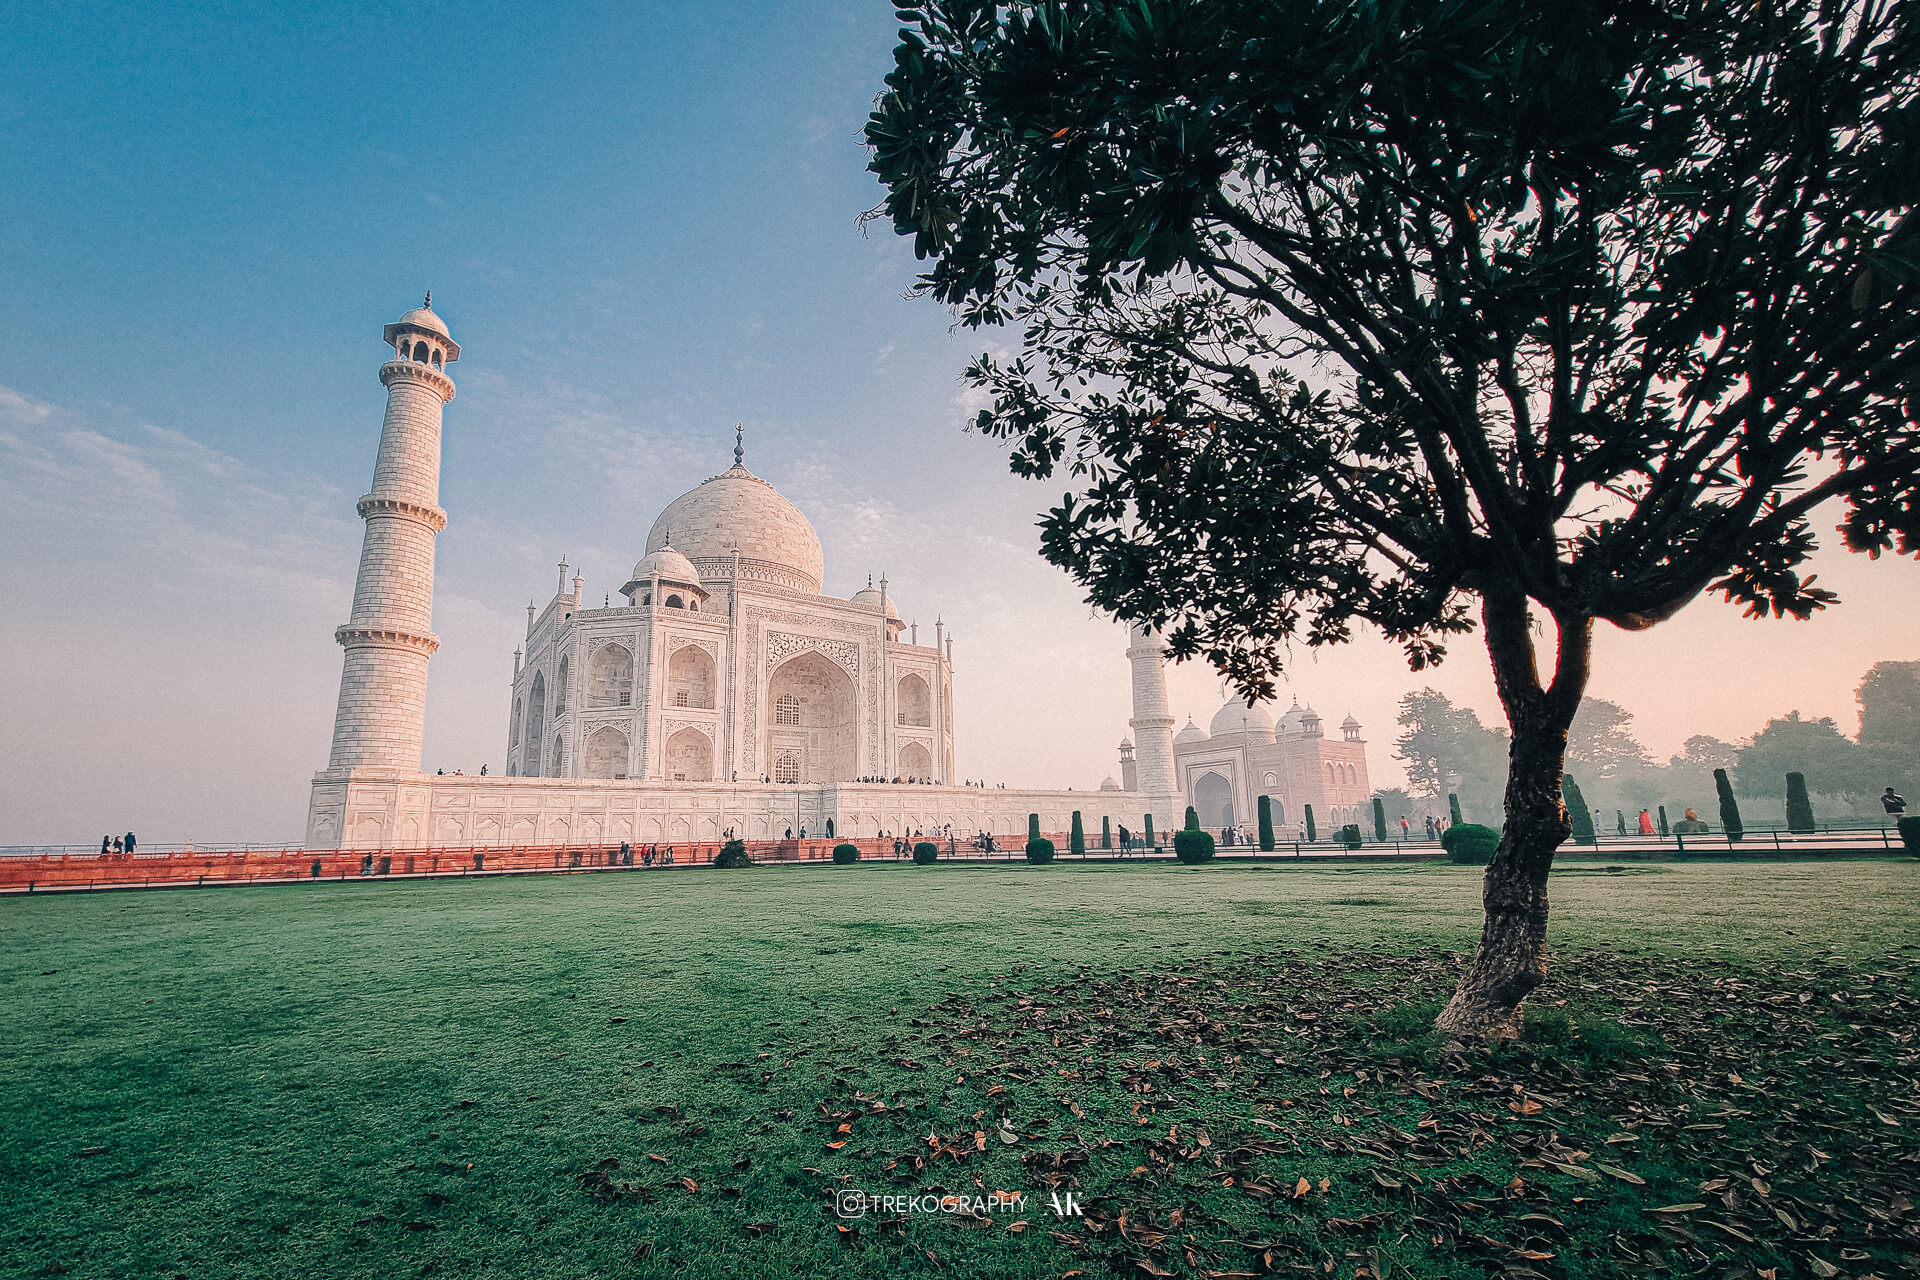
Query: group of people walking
[[648, 855], [117, 844]]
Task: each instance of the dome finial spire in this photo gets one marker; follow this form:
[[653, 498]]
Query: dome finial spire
[[739, 444], [428, 304]]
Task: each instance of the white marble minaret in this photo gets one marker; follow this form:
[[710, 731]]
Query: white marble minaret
[[383, 686], [1152, 725]]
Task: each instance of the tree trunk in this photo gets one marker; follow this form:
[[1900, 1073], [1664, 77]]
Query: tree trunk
[[1512, 959]]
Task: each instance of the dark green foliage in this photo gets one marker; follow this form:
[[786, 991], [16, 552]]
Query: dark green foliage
[[1106, 831], [1453, 808], [1350, 835], [1729, 807], [1148, 829], [733, 854], [1832, 762], [1442, 743], [1663, 821], [926, 851], [1469, 843], [1039, 850], [1379, 820], [1193, 819], [1577, 811], [1033, 827], [1266, 824], [1193, 846], [1799, 807], [1890, 724], [1909, 827], [845, 853], [1313, 832], [1077, 837]]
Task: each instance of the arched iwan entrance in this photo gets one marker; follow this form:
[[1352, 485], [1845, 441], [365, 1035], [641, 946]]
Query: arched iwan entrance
[[605, 755], [816, 721], [1213, 801], [916, 762], [690, 756]]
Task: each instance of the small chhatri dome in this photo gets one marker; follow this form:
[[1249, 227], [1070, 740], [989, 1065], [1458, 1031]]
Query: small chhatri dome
[[738, 510], [1238, 716], [1349, 722], [424, 318], [1126, 744], [1192, 733], [1108, 784], [669, 566], [870, 595]]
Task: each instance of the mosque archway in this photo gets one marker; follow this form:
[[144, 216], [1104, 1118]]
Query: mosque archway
[[690, 756], [690, 678], [605, 754], [916, 762], [610, 677], [536, 723], [826, 735], [1213, 800], [915, 703]]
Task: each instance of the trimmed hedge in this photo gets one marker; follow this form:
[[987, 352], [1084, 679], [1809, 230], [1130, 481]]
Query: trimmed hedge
[[1313, 832], [1106, 831], [1665, 830], [1799, 807], [1729, 807], [845, 853], [1149, 832], [1910, 833], [1470, 844], [926, 851], [1039, 850], [1379, 820], [1193, 818], [1577, 811], [1266, 824], [1193, 847], [1077, 837], [1349, 835], [1033, 827], [1453, 808], [733, 854]]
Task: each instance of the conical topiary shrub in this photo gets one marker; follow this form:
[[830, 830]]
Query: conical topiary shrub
[[1729, 808], [1266, 824], [1453, 808], [1149, 831], [1663, 822], [1077, 837], [1313, 832], [1379, 820], [1033, 827], [1577, 811], [1106, 831], [1193, 819], [1799, 808]]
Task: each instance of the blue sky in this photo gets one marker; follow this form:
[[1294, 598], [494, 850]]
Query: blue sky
[[640, 222]]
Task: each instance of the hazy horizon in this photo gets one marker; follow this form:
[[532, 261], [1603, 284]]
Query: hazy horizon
[[640, 225]]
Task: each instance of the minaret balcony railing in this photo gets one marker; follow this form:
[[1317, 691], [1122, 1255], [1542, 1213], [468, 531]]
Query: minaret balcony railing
[[423, 373], [432, 517]]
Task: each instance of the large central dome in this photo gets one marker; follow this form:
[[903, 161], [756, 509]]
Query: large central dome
[[738, 509]]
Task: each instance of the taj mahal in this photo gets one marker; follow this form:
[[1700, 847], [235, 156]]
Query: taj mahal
[[726, 693]]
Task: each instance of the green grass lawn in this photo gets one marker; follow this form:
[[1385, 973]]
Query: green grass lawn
[[431, 1078]]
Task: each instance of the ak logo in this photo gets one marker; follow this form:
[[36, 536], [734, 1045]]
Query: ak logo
[[1064, 1208]]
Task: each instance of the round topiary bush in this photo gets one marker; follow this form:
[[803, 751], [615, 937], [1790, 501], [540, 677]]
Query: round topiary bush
[[926, 851], [1193, 847], [845, 853], [1910, 833], [1470, 844], [733, 854], [1039, 849]]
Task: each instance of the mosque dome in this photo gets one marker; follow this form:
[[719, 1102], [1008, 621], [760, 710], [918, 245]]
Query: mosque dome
[[1192, 733], [738, 509], [1238, 716], [1108, 784], [1290, 722], [424, 318], [668, 565], [871, 596]]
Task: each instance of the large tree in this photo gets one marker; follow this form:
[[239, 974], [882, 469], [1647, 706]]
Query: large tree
[[1601, 739], [1446, 748], [1890, 724], [1830, 759], [1431, 313]]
